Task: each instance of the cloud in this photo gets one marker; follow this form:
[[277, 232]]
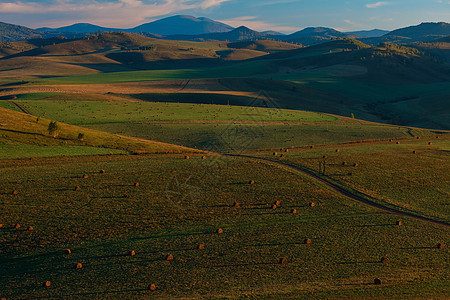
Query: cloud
[[377, 4], [117, 13], [253, 23]]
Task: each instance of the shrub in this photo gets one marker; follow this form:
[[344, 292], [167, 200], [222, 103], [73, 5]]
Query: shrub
[[52, 129], [81, 136]]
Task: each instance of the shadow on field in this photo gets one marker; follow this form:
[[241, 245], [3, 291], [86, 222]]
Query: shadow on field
[[101, 293]]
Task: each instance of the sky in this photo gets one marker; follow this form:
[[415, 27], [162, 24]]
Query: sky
[[286, 16]]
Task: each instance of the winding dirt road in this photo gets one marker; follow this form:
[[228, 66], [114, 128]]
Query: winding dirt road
[[342, 191]]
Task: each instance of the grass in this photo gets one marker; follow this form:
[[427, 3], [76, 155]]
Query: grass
[[100, 226], [389, 172], [18, 130]]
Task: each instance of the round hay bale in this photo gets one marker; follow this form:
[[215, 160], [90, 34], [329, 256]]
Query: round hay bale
[[377, 281], [17, 226], [31, 158], [219, 230], [344, 163], [307, 241], [203, 157], [399, 223], [46, 284], [418, 137], [1, 225], [311, 147], [151, 287], [312, 204], [355, 165], [85, 176], [398, 143], [14, 192], [201, 247], [136, 184], [102, 171], [251, 182], [440, 246], [430, 143], [414, 152], [384, 260], [30, 228], [274, 206], [186, 157], [78, 266], [277, 202], [324, 157], [132, 253], [236, 204], [338, 150], [275, 154], [169, 257], [283, 261], [286, 150], [293, 211], [67, 251], [282, 156], [77, 188], [437, 137]]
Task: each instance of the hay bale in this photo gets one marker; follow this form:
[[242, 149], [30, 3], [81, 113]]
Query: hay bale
[[77, 188], [437, 137], [46, 284], [283, 261], [398, 143], [169, 257], [31, 158], [67, 251], [312, 204], [377, 281], [274, 206], [132, 253], [338, 150], [418, 137], [293, 211], [390, 141], [30, 228], [414, 152], [384, 260], [186, 157], [85, 176], [355, 165], [307, 242], [399, 223], [201, 247], [430, 143], [136, 184], [236, 204], [102, 171], [151, 287], [203, 157], [344, 163], [286, 150], [251, 182], [1, 225], [14, 192], [324, 157], [78, 266], [440, 246], [219, 230], [17, 226], [275, 154], [311, 147], [277, 202]]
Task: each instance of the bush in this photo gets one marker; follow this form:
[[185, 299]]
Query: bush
[[53, 129]]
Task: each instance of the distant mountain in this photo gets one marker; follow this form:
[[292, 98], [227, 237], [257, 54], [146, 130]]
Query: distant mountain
[[369, 33], [11, 33], [425, 32], [313, 35], [239, 34], [182, 25], [79, 28], [271, 32]]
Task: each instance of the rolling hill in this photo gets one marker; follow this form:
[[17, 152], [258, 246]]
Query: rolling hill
[[10, 33], [368, 33], [78, 28]]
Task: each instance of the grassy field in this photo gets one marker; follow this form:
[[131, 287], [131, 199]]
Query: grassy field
[[388, 171], [178, 205], [28, 135]]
